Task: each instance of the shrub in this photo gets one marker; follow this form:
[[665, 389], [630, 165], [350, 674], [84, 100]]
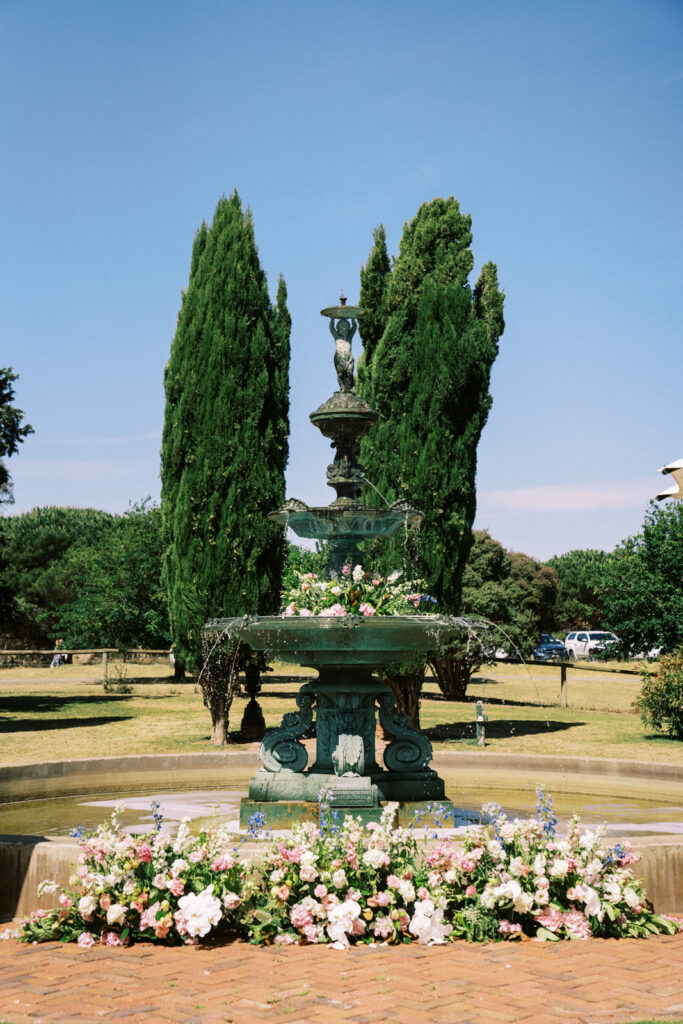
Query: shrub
[[660, 701]]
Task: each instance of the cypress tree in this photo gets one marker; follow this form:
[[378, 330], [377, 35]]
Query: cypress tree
[[225, 442], [428, 376]]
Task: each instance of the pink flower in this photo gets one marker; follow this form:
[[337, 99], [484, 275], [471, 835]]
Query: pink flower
[[393, 881], [305, 611], [320, 891], [144, 853], [300, 917], [346, 569], [383, 899], [105, 901], [508, 928], [176, 886], [383, 928], [311, 932], [64, 900], [290, 609], [471, 890], [148, 918], [160, 881], [293, 855], [85, 940], [550, 919], [231, 901], [375, 583], [366, 609], [283, 892], [423, 893], [113, 939], [197, 855], [577, 925], [223, 863]]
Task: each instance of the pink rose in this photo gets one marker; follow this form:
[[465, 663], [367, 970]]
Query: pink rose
[[223, 863], [346, 569], [197, 855], [471, 890], [85, 940], [160, 881], [105, 901], [305, 611], [366, 609], [283, 892], [320, 891], [176, 886], [144, 853]]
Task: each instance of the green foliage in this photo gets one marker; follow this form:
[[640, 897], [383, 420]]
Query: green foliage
[[118, 599], [579, 599], [428, 376], [12, 433], [660, 701], [224, 447], [642, 585], [300, 560], [35, 577], [509, 589]]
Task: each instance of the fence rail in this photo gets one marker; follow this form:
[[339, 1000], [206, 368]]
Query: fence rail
[[84, 656]]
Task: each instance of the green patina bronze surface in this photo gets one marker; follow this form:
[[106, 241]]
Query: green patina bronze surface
[[347, 699]]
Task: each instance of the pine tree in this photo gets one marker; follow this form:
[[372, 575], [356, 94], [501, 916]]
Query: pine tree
[[225, 441], [428, 376]]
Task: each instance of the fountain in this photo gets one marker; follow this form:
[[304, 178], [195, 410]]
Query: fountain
[[347, 650]]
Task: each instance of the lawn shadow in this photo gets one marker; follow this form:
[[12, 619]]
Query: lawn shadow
[[43, 702], [43, 724], [500, 729]]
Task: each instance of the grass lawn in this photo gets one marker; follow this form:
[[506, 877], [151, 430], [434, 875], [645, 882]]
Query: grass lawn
[[64, 713]]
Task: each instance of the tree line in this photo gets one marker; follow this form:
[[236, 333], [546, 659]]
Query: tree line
[[430, 338]]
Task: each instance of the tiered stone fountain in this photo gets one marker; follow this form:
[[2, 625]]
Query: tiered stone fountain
[[345, 650]]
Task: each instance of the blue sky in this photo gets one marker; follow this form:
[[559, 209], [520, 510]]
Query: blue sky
[[558, 127]]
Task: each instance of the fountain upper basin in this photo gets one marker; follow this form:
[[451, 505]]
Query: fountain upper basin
[[316, 641]]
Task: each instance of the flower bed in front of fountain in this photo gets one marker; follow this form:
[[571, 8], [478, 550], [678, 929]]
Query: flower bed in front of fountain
[[340, 884]]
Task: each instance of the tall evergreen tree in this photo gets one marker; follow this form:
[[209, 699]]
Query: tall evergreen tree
[[12, 433], [225, 442], [428, 376]]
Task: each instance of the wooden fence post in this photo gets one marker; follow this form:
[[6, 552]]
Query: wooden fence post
[[563, 685], [105, 666]]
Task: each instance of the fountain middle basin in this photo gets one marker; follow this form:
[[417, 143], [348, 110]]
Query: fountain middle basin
[[346, 650]]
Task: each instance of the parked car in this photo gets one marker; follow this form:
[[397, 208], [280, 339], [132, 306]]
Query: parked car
[[550, 649], [587, 643]]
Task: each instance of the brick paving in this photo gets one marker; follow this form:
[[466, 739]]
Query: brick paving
[[594, 982]]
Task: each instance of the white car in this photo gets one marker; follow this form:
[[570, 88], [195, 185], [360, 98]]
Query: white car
[[583, 643]]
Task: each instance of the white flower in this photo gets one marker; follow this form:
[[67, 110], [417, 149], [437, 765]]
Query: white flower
[[200, 911], [375, 858], [407, 890], [178, 866], [631, 897], [339, 878], [611, 892], [495, 849], [277, 876], [87, 905], [358, 574], [591, 899], [593, 870], [508, 891], [114, 876], [340, 921], [307, 873], [116, 914], [587, 840], [393, 576], [129, 887], [517, 867], [507, 831], [427, 924], [523, 902], [47, 886], [308, 858], [539, 864], [558, 868], [335, 590]]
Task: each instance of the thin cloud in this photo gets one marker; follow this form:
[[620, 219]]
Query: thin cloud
[[599, 497]]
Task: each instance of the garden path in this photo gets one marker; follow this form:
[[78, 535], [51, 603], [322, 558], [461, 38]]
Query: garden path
[[593, 982]]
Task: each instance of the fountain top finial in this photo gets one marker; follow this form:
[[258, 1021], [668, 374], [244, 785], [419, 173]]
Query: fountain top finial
[[342, 311]]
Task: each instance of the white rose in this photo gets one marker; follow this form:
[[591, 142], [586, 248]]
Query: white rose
[[116, 914], [358, 574], [539, 864], [129, 887], [277, 876], [508, 831], [307, 873], [308, 858], [517, 867], [178, 866], [374, 858], [335, 590], [339, 878], [87, 905], [558, 868]]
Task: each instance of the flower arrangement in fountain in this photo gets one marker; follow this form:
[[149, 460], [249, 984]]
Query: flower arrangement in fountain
[[357, 592], [340, 884]]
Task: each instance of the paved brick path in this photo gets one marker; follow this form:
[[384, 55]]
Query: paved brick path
[[594, 982]]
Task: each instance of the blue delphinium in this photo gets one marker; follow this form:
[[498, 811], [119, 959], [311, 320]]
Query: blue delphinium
[[544, 811]]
